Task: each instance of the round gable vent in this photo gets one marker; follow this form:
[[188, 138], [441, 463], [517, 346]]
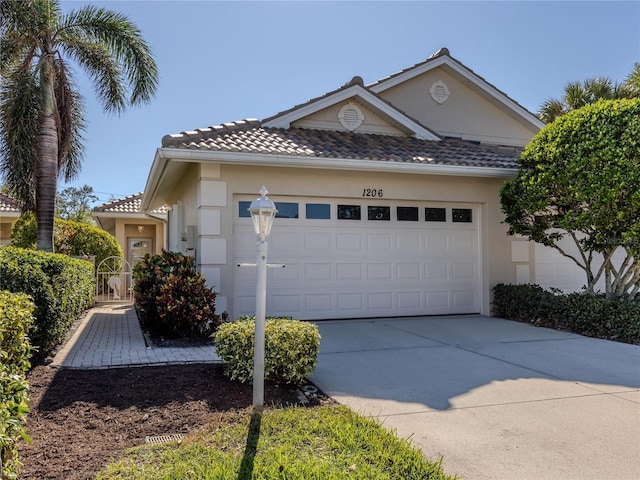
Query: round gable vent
[[350, 116], [439, 92]]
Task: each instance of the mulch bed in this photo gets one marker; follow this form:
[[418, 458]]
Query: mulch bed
[[81, 419]]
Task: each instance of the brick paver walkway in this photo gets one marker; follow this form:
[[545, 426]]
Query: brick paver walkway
[[110, 337]]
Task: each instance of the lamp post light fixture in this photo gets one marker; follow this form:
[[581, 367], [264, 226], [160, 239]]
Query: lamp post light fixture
[[262, 211]]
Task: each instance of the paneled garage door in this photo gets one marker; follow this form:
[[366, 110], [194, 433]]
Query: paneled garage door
[[350, 259]]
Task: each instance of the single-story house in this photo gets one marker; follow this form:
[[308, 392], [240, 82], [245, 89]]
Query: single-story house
[[138, 233], [387, 197], [9, 212]]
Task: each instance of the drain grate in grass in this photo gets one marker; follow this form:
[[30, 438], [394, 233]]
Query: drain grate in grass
[[174, 437]]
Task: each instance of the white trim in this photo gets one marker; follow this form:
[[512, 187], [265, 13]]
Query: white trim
[[184, 155], [285, 120], [474, 79]]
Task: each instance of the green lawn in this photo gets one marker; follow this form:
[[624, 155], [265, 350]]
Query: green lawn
[[323, 443]]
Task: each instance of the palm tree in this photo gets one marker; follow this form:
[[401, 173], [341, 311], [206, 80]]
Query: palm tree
[[41, 111], [579, 94], [633, 81]]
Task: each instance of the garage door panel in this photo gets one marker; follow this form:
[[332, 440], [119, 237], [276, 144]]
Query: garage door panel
[[379, 271], [435, 300], [436, 242], [409, 244], [436, 271], [379, 300], [349, 271], [349, 242], [463, 271], [378, 243], [284, 304], [350, 302], [318, 241], [411, 301], [464, 298], [408, 271], [319, 303], [318, 272]]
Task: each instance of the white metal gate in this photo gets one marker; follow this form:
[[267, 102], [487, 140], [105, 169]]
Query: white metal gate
[[113, 281]]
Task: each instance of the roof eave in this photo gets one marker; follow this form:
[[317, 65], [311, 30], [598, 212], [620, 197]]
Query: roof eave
[[188, 155]]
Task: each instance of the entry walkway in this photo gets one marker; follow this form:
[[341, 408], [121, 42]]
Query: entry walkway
[[110, 337]]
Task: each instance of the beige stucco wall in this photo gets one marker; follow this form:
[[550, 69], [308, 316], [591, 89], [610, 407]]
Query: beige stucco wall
[[496, 262], [327, 119], [464, 114], [127, 228]]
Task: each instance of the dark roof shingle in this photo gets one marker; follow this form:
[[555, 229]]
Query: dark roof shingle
[[248, 136], [9, 204], [130, 204]]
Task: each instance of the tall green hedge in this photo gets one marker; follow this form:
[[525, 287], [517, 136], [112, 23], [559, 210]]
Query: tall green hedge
[[69, 238], [16, 319], [590, 315], [61, 287]]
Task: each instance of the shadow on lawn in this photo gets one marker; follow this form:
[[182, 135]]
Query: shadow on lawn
[[253, 435]]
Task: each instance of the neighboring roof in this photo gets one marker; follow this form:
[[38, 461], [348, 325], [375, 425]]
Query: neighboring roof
[[250, 137], [9, 204], [127, 205]]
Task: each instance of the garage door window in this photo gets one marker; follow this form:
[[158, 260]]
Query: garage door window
[[407, 214], [461, 215], [243, 209], [379, 213], [286, 210], [349, 212], [435, 214], [318, 211]]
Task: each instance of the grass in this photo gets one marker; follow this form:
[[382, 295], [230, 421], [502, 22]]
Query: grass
[[328, 442]]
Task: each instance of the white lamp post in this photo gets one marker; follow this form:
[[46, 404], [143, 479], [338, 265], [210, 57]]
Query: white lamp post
[[263, 211]]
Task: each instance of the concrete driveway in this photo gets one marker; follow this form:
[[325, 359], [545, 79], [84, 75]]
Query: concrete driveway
[[496, 399]]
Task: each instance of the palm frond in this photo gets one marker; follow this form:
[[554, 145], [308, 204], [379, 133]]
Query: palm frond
[[123, 40], [633, 81], [19, 121], [104, 72], [551, 109], [576, 95], [70, 122]]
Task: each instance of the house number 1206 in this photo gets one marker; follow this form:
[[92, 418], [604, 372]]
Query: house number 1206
[[372, 192]]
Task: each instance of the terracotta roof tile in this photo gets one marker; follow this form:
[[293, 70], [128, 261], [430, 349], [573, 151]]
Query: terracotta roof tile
[[9, 204], [248, 136], [130, 204]]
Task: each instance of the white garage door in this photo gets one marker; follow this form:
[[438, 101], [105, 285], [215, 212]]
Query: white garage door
[[350, 259]]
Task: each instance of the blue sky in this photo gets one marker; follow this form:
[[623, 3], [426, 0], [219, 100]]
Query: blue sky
[[221, 61]]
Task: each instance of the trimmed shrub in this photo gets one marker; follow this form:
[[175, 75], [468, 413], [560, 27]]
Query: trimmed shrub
[[172, 298], [69, 238], [291, 349], [596, 316], [525, 303], [16, 318], [61, 287]]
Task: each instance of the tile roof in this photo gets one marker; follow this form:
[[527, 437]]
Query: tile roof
[[130, 204], [9, 204], [249, 136]]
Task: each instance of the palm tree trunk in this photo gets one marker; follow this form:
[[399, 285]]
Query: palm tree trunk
[[47, 168], [46, 184]]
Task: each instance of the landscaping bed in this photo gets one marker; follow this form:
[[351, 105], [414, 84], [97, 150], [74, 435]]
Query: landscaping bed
[[81, 419]]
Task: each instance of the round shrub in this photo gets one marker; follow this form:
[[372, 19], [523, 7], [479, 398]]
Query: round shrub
[[69, 238], [291, 349], [171, 296]]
